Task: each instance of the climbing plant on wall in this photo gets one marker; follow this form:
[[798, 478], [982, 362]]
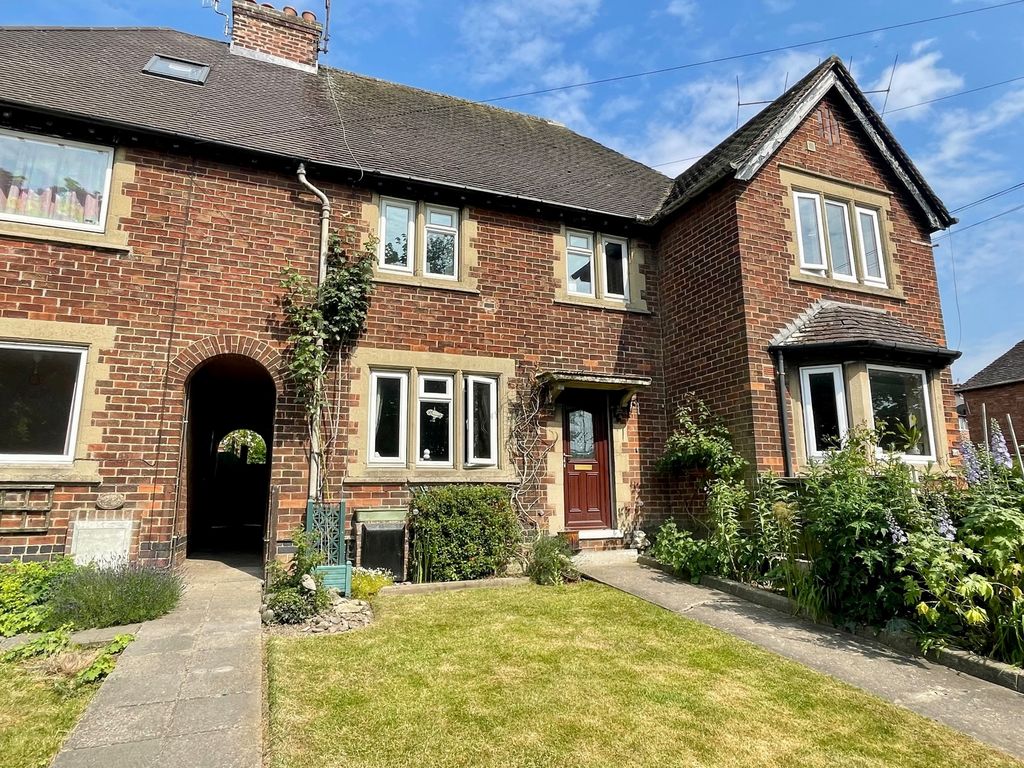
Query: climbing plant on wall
[[325, 321]]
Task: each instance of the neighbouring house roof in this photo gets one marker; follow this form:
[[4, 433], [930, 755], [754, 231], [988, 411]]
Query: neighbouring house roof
[[833, 325], [374, 126], [742, 154], [1005, 369]]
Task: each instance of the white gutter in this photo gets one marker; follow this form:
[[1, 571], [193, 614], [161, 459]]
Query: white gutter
[[315, 440]]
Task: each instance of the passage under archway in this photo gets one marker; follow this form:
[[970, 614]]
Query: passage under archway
[[231, 427]]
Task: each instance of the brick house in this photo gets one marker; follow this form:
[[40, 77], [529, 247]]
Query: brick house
[[150, 203], [997, 390]]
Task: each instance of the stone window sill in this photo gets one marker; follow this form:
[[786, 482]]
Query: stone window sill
[[418, 281], [81, 472], [796, 276], [635, 309], [61, 236], [396, 476]]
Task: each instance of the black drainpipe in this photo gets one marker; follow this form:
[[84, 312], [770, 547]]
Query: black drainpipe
[[780, 388]]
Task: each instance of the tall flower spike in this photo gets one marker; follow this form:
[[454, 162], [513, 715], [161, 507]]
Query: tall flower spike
[[997, 445], [972, 462]]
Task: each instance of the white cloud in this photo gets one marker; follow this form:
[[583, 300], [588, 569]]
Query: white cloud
[[698, 115], [778, 6], [685, 10], [915, 81]]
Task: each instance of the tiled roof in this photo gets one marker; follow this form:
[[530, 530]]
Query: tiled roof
[[1005, 369], [383, 127], [759, 136], [832, 324]]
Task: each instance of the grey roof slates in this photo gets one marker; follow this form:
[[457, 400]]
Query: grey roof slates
[[388, 128], [1005, 369], [831, 322]]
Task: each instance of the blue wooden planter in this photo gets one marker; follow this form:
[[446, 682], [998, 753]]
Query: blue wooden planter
[[326, 523]]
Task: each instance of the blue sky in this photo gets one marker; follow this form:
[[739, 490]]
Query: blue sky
[[968, 146]]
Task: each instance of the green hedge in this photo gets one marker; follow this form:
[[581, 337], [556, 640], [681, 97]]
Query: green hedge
[[462, 532]]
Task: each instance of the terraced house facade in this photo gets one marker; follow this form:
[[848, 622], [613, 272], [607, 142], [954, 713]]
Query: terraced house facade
[[149, 208]]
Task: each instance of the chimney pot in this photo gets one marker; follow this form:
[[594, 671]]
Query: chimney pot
[[260, 31]]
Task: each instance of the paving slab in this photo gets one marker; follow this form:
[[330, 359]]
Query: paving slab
[[188, 693], [988, 712]]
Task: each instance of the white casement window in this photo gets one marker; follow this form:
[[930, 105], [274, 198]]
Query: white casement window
[[810, 240], [872, 263], [397, 247], [615, 266], [901, 407], [55, 182], [828, 245], [441, 254], [840, 244], [40, 401], [435, 419], [580, 262], [388, 417], [481, 421], [823, 401]]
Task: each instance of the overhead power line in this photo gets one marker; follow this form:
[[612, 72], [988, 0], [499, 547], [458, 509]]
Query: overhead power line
[[985, 199], [961, 230], [645, 73]]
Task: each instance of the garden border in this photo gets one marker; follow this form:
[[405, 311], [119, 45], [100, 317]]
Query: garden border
[[81, 637], [956, 659], [451, 586]]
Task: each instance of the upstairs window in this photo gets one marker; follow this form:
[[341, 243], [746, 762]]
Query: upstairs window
[[597, 266], [441, 256], [838, 239], [40, 398], [54, 182], [420, 240], [398, 235]]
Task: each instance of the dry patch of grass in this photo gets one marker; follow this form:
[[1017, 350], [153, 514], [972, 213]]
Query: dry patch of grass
[[34, 716], [580, 675]]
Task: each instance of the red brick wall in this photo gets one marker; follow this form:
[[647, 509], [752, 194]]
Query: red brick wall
[[998, 401], [772, 299], [273, 32], [209, 241]]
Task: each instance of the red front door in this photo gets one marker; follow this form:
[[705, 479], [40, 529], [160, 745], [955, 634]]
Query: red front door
[[585, 457]]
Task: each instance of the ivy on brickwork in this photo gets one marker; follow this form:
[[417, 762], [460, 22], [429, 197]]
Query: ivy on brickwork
[[325, 322]]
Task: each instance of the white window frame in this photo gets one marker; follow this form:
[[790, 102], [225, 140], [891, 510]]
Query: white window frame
[[589, 253], [437, 228], [822, 268], [845, 207], [624, 296], [98, 227], [929, 427], [839, 386], [468, 382], [873, 214], [409, 206], [71, 436], [432, 397], [403, 418]]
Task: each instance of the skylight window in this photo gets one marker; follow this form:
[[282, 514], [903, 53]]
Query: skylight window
[[178, 69]]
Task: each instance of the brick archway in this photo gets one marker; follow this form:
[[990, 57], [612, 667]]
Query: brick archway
[[189, 359]]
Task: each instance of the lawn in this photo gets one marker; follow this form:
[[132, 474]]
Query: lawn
[[580, 675], [34, 718]]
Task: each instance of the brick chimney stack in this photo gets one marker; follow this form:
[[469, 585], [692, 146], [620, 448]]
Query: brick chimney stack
[[280, 37]]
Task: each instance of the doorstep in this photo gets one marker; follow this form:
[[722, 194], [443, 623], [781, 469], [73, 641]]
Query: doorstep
[[600, 533]]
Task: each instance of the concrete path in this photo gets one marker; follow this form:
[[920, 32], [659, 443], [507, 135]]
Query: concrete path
[[188, 692], [988, 712]]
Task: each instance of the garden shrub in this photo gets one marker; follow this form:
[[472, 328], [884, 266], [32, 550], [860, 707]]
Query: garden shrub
[[90, 596], [24, 591], [367, 582], [462, 532], [550, 561], [286, 596]]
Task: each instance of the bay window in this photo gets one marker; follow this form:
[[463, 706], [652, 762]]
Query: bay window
[[40, 399], [901, 411], [823, 400]]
